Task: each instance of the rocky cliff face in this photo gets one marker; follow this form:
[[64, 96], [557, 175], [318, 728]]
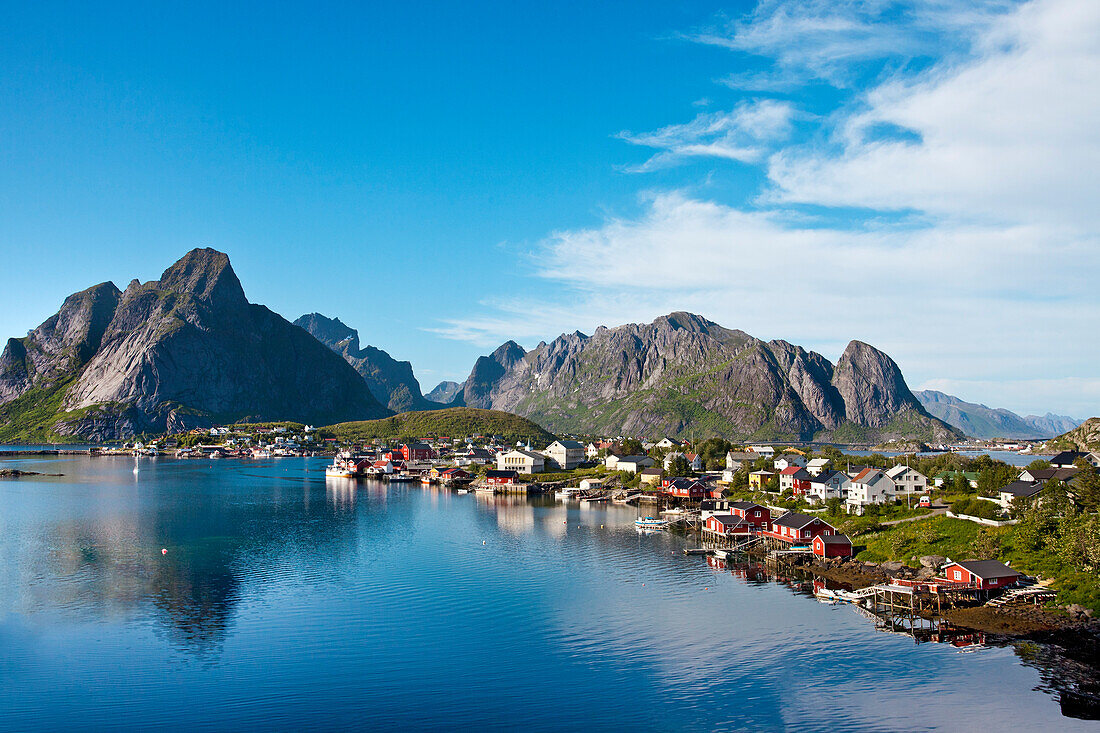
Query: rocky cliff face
[[183, 351], [487, 373], [445, 392], [390, 381], [683, 373]]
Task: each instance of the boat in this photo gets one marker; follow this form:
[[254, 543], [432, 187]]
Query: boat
[[650, 523], [463, 491], [401, 477], [426, 480], [338, 472], [567, 493]]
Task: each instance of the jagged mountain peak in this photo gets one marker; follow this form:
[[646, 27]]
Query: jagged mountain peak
[[206, 275], [329, 331]]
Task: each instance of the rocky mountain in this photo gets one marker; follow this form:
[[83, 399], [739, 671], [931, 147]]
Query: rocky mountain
[[390, 381], [683, 374], [980, 421], [184, 351], [445, 392], [1051, 424], [1084, 437]]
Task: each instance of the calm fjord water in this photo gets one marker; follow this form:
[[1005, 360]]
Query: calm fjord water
[[288, 603]]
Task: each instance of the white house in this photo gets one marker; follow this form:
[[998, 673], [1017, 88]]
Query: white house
[[817, 466], [591, 483], [672, 456], [736, 459], [1017, 490], [828, 485], [907, 480], [592, 451], [565, 454], [764, 450], [869, 486], [666, 443], [789, 459], [633, 464], [523, 461]]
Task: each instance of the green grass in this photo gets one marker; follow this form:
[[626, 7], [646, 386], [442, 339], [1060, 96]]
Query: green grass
[[36, 415], [945, 536], [454, 422]]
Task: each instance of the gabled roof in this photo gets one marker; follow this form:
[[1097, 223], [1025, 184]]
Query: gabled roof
[[815, 462], [730, 520], [761, 473], [651, 472], [573, 444], [1066, 457], [898, 470], [789, 470], [1046, 474], [1022, 488], [794, 520], [745, 505], [826, 476], [834, 539], [987, 569], [500, 474], [633, 459], [867, 475], [527, 453]]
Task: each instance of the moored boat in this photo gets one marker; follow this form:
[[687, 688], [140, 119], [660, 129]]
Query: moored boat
[[650, 523]]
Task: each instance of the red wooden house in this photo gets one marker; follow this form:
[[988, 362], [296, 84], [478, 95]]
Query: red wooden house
[[795, 478], [832, 545], [983, 574], [417, 452], [685, 488], [754, 514], [499, 478], [728, 525], [795, 528], [454, 473]]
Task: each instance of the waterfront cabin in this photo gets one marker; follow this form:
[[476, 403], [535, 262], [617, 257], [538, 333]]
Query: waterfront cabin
[[727, 525], [759, 479], [454, 474], [795, 528], [501, 478], [795, 479], [685, 488], [754, 514], [982, 574], [832, 545]]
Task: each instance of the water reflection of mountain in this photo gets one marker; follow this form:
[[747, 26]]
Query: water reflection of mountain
[[112, 564]]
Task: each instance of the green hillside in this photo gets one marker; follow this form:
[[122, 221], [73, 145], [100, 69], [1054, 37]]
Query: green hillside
[[454, 422]]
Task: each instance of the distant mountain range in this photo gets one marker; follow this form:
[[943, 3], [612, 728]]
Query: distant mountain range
[[187, 350], [980, 421]]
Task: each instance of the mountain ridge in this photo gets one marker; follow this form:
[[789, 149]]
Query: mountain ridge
[[684, 373], [184, 351]]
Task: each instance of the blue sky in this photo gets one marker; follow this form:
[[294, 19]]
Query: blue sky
[[445, 176]]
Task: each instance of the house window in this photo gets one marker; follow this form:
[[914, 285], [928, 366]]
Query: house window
[[958, 575]]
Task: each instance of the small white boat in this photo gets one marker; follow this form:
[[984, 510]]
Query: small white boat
[[338, 472], [650, 523]]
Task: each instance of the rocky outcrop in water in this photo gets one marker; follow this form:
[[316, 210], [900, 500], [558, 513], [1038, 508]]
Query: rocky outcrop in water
[[187, 350], [683, 373]]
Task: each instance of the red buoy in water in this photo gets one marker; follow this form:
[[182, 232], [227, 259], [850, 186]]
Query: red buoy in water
[[164, 552]]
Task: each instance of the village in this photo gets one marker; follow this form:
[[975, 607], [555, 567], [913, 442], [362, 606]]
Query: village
[[797, 508]]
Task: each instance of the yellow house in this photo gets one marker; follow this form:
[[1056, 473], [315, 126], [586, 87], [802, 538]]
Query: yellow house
[[757, 479]]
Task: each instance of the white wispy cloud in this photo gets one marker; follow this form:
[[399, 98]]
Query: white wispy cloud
[[986, 285], [826, 40], [744, 134]]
